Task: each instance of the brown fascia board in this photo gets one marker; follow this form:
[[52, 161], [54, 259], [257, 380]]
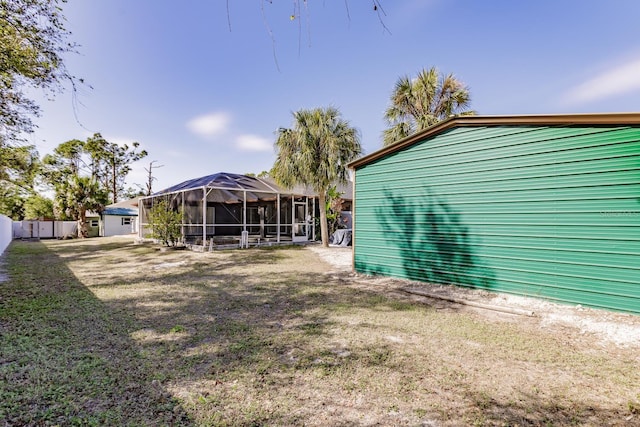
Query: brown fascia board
[[594, 119]]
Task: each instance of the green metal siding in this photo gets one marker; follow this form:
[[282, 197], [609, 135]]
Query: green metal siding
[[540, 211]]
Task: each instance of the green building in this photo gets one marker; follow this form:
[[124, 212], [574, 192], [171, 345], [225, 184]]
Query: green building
[[544, 206]]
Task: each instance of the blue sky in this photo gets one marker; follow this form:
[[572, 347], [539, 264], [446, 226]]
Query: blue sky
[[204, 96]]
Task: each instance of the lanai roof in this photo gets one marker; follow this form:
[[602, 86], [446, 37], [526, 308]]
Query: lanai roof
[[224, 180]]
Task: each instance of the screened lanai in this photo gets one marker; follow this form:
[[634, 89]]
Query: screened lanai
[[229, 209]]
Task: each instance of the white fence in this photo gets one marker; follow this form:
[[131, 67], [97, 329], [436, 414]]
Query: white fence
[[43, 229], [6, 233]]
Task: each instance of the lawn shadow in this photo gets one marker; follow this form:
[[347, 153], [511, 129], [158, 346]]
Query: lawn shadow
[[210, 325], [234, 321], [535, 409], [248, 337], [66, 358]]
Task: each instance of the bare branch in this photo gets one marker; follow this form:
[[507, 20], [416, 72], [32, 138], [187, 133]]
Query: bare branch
[[273, 40], [346, 6], [377, 7], [75, 101], [151, 178], [306, 9]]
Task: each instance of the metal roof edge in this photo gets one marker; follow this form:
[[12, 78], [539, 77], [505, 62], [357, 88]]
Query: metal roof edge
[[629, 118], [121, 211]]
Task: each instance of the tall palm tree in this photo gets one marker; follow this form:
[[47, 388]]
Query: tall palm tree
[[424, 101], [79, 195], [315, 152]]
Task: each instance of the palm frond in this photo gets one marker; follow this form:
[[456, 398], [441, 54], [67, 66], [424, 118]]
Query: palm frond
[[422, 102]]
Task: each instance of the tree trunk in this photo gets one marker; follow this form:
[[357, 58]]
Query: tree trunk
[[324, 227], [83, 231], [114, 182]]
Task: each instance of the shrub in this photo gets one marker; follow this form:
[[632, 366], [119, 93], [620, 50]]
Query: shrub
[[166, 223]]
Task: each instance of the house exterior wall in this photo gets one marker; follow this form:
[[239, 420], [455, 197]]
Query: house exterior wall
[[547, 211], [112, 225], [93, 226]]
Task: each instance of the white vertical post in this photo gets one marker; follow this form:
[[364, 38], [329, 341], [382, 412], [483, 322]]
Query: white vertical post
[[293, 217], [244, 211], [278, 219], [140, 211], [204, 216], [313, 219], [244, 240], [181, 216]]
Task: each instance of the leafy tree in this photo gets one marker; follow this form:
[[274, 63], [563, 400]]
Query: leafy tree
[[166, 223], [77, 196], [65, 162], [11, 202], [315, 152], [424, 101], [19, 167], [33, 44], [84, 174], [38, 206], [131, 193], [111, 163], [263, 174], [59, 169]]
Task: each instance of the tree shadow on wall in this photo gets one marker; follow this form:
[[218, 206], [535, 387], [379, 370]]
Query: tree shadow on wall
[[433, 242]]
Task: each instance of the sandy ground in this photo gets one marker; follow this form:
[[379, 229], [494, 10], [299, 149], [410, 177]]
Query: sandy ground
[[619, 329]]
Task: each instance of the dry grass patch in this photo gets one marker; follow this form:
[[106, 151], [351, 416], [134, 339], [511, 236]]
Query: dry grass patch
[[129, 335]]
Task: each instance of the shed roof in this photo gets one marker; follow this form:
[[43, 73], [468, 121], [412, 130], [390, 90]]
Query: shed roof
[[120, 211], [594, 119], [127, 207]]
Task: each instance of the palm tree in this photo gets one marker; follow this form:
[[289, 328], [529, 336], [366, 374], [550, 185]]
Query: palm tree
[[315, 152], [79, 195], [424, 101]]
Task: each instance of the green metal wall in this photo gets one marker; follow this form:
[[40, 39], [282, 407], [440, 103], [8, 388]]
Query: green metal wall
[[552, 212]]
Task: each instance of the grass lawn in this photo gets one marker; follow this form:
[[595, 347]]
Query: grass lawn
[[105, 332]]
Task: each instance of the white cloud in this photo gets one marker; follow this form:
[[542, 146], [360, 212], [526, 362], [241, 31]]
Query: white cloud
[[253, 143], [209, 125], [616, 81]]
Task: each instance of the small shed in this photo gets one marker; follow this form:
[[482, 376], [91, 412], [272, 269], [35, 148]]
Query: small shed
[[544, 206], [120, 218], [226, 209]]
